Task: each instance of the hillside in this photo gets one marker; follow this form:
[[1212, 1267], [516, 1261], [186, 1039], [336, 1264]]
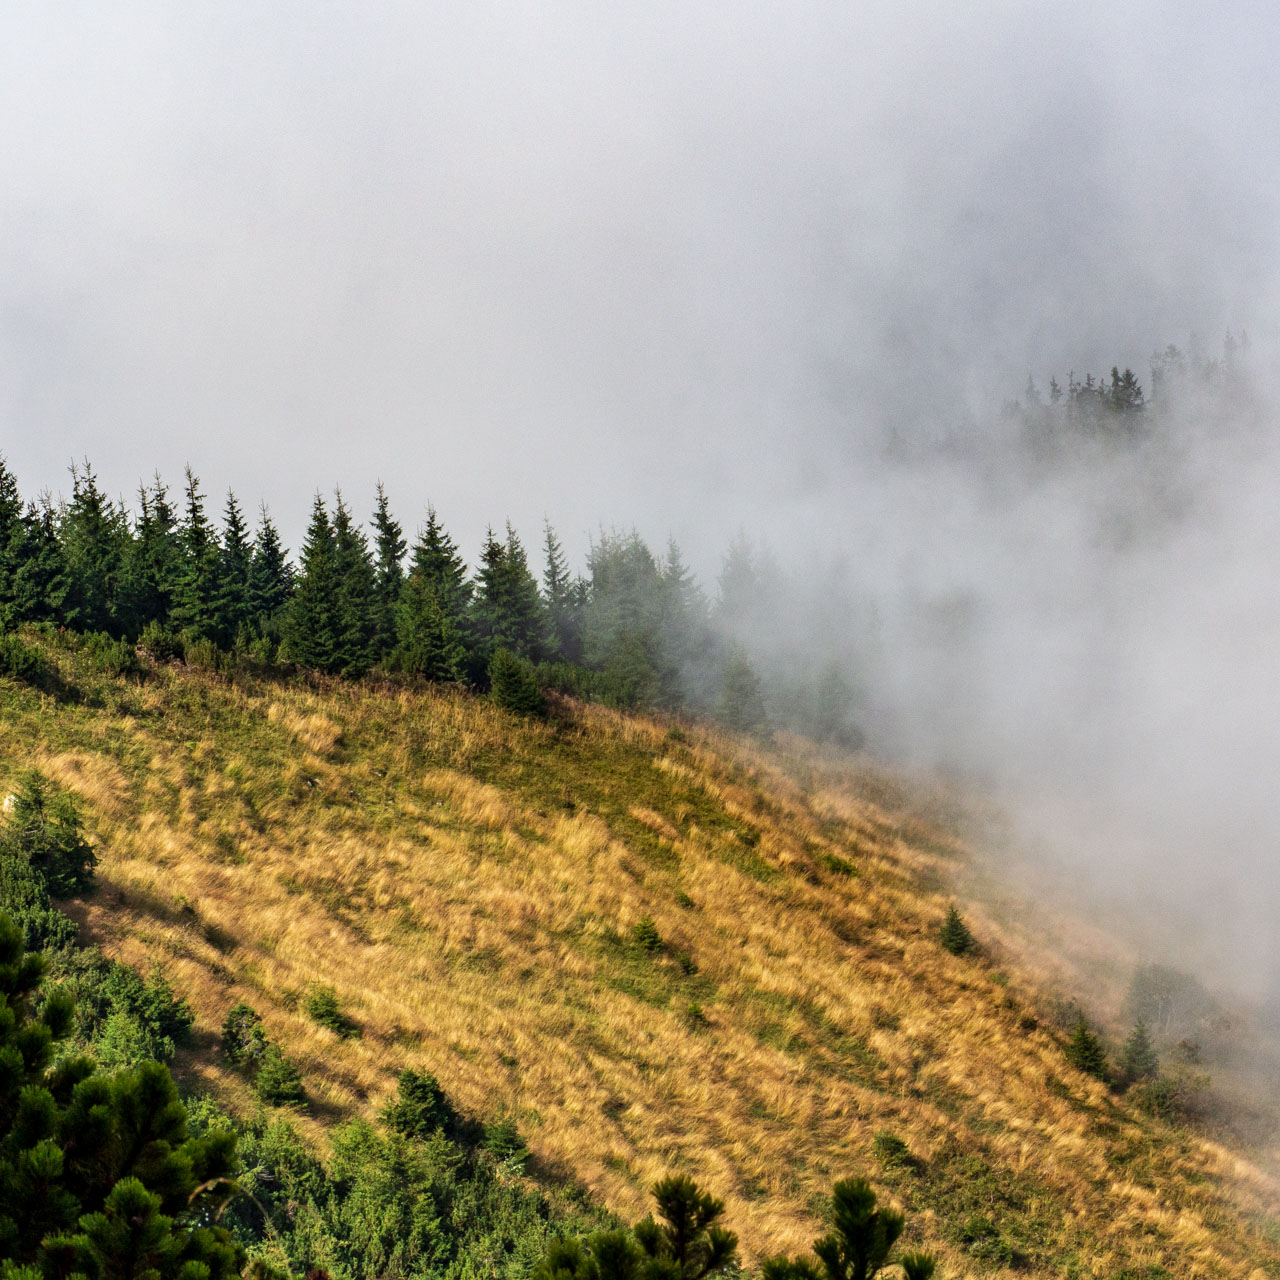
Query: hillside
[[470, 884]]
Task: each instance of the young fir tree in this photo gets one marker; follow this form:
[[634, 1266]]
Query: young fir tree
[[513, 684], [357, 594], [954, 934], [312, 623], [195, 599], [233, 605], [1138, 1059], [271, 581], [390, 547], [1085, 1052], [859, 1245]]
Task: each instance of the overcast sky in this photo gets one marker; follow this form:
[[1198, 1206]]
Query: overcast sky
[[659, 265], [684, 267]]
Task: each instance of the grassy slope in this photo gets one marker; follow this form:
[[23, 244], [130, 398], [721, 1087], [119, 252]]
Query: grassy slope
[[468, 884]]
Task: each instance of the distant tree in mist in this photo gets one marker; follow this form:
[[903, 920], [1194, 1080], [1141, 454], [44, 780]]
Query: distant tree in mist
[[741, 703], [1138, 1058]]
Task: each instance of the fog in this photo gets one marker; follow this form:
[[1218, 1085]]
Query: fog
[[701, 269]]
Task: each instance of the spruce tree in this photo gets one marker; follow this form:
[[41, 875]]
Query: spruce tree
[[195, 599], [93, 533], [357, 594], [156, 558], [233, 606], [271, 580], [312, 624], [12, 546], [427, 640], [563, 601], [390, 547], [40, 574], [1085, 1052]]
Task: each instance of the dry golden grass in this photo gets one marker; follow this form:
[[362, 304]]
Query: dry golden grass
[[468, 883]]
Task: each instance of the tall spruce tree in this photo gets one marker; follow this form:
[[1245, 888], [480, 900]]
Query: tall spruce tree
[[508, 612], [195, 599], [390, 546], [271, 581], [563, 601], [12, 546], [234, 604], [313, 625], [156, 560], [40, 576], [357, 594], [427, 643], [93, 534]]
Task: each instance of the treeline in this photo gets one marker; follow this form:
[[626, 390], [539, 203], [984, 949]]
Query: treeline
[[634, 629], [1118, 404]]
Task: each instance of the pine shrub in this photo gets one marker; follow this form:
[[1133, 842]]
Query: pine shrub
[[22, 662], [420, 1107], [279, 1082], [954, 934], [243, 1040]]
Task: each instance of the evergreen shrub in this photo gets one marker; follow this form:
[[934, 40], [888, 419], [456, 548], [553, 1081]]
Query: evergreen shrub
[[278, 1081], [321, 1006]]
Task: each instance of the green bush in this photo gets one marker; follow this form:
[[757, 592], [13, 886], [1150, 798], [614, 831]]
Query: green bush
[[100, 1176], [502, 1139], [24, 897], [513, 685], [889, 1149], [22, 662], [161, 642], [321, 1005], [110, 656], [151, 1017]]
